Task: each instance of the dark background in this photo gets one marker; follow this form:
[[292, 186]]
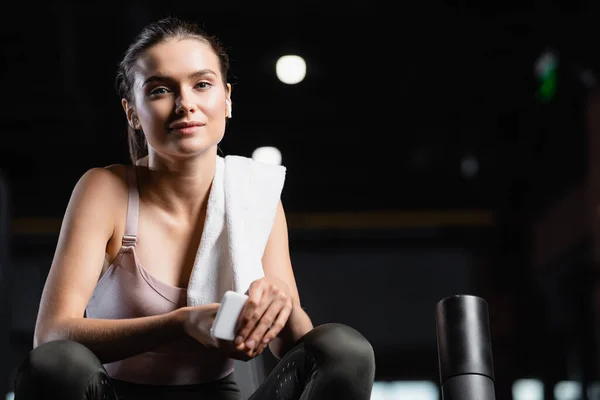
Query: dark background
[[383, 224]]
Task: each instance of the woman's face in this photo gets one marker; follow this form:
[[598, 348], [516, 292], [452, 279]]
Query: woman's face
[[179, 98]]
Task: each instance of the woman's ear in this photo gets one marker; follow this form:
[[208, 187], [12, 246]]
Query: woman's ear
[[132, 118], [228, 111]]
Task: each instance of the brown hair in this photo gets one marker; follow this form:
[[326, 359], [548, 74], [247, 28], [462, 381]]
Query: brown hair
[[153, 34]]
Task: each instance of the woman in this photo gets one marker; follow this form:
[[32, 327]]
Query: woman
[[115, 319]]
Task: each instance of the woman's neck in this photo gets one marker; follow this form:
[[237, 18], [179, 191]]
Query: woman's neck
[[181, 187]]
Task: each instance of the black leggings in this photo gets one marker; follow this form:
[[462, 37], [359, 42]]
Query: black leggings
[[333, 361]]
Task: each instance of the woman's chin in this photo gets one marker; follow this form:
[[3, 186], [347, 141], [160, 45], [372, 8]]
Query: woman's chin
[[197, 149]]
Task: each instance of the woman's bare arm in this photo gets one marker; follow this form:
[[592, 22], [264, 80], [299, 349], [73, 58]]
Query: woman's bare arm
[[88, 225], [277, 264]]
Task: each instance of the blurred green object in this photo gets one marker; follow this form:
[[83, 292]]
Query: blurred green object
[[546, 73]]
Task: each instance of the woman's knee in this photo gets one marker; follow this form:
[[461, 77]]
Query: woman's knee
[[339, 342], [61, 367]]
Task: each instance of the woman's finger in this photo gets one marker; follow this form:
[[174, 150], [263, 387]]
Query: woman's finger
[[266, 323], [272, 333], [278, 325], [251, 313]]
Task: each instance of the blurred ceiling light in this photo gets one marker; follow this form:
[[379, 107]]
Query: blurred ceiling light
[[267, 155], [588, 78], [290, 69], [469, 166], [413, 390], [568, 390], [528, 389]]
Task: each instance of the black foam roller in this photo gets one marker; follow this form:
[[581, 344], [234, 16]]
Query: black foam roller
[[464, 348]]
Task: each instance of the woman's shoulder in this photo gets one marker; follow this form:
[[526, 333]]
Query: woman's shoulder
[[109, 182], [114, 174]]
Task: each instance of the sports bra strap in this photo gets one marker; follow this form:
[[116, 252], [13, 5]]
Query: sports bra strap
[[133, 208]]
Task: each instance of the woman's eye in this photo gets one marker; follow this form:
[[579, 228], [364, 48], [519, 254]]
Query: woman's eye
[[203, 85], [158, 91]]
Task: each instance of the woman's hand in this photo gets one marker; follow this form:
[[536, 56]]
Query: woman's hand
[[264, 315], [198, 320]]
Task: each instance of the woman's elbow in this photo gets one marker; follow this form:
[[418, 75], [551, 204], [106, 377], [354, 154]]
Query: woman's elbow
[[44, 333]]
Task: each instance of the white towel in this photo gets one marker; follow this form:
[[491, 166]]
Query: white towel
[[241, 209]]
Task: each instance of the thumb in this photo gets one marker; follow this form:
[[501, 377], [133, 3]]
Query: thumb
[[212, 308]]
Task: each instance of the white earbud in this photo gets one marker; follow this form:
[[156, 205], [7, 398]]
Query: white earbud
[[228, 108]]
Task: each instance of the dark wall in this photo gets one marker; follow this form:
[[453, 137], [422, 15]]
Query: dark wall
[[388, 295]]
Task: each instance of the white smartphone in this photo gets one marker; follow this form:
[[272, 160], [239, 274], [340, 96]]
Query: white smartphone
[[227, 315]]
